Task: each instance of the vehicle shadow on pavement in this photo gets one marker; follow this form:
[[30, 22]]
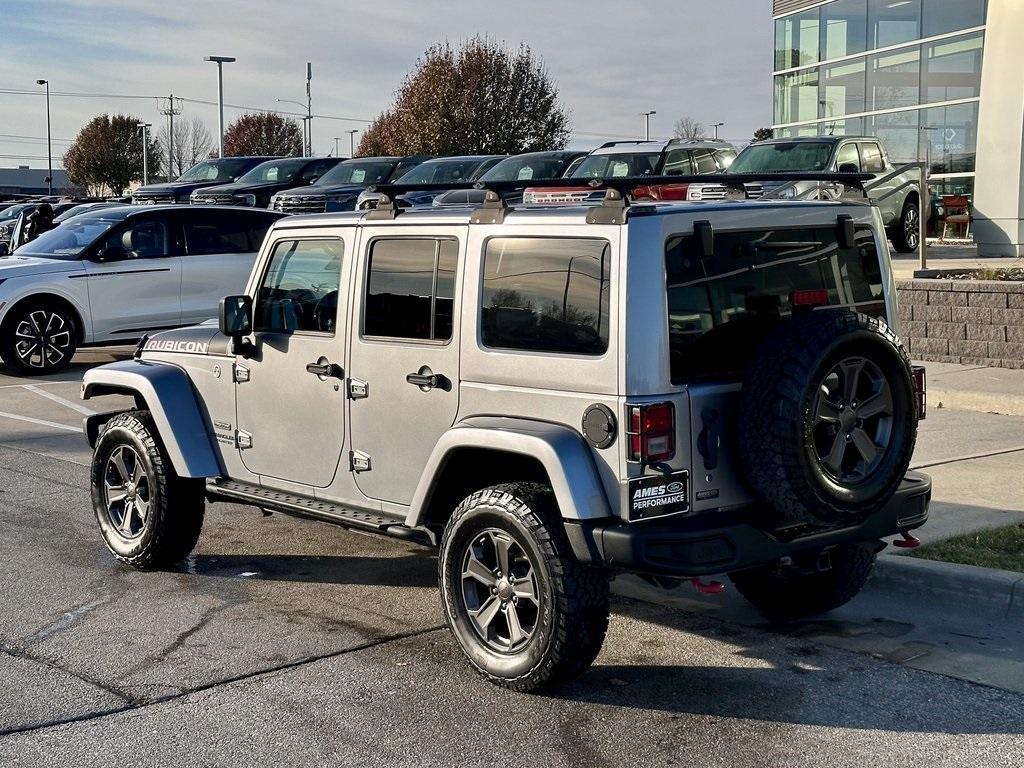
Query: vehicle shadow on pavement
[[781, 680], [410, 570]]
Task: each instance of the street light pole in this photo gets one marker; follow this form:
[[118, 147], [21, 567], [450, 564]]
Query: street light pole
[[49, 149], [647, 123], [309, 108], [336, 150], [145, 152], [220, 62], [716, 126], [352, 141]]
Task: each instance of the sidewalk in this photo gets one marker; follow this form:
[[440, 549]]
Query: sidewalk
[[976, 388], [947, 257]]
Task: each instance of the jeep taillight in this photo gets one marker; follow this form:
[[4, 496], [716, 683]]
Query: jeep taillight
[[920, 391], [652, 432]]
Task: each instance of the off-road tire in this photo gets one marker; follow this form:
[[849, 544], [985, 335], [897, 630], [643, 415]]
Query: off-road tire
[[775, 428], [573, 615], [899, 236], [781, 593], [176, 504], [48, 309]]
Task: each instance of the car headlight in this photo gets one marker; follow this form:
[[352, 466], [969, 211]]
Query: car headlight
[[786, 193], [249, 200]]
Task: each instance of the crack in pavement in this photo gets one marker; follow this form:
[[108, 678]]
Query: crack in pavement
[[133, 704], [969, 457], [20, 652], [67, 620]]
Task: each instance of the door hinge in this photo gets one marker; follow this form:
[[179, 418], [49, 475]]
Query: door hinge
[[240, 373], [358, 389], [359, 461], [243, 439]]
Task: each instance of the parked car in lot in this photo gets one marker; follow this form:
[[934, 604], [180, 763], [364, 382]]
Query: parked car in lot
[[439, 170], [637, 159], [549, 397], [528, 167], [339, 188], [115, 274], [853, 154], [80, 208], [208, 173], [256, 187]]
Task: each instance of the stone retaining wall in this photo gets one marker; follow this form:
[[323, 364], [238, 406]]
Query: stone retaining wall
[[972, 322]]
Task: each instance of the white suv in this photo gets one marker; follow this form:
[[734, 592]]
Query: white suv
[[118, 273]]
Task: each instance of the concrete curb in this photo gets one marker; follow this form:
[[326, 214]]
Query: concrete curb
[[990, 591]]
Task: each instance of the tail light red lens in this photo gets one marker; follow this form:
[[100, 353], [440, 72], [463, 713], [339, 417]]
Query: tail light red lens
[[652, 432], [815, 297], [920, 391], [660, 192]]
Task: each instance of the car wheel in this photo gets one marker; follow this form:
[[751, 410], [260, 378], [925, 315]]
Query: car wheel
[[827, 418], [38, 338], [523, 610], [811, 584], [148, 516], [906, 234]]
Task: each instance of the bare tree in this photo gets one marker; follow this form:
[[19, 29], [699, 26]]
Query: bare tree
[[688, 128], [192, 143]]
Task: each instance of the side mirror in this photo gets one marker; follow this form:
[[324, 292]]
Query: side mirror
[[849, 168], [236, 321], [5, 249], [111, 253]]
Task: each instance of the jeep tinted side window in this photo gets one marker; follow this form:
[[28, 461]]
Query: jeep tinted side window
[[721, 306], [410, 288], [546, 294], [299, 291]]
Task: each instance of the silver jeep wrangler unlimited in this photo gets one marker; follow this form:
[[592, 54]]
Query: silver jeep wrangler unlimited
[[550, 396]]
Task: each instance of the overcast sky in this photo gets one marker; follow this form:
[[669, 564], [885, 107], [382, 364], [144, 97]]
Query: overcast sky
[[707, 59]]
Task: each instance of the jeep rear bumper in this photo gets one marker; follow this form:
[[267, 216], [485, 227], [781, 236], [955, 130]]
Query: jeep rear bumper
[[719, 542]]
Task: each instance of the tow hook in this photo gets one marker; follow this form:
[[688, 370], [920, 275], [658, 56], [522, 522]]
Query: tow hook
[[907, 542], [708, 587]]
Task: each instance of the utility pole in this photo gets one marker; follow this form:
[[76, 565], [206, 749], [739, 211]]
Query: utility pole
[[170, 112], [49, 150], [220, 61], [144, 127], [352, 141], [647, 123], [336, 139], [716, 126], [309, 109]]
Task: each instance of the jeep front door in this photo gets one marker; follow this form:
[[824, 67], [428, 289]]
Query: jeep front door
[[289, 395], [405, 356]]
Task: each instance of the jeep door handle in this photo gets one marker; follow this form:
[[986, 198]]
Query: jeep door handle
[[428, 380], [329, 370]]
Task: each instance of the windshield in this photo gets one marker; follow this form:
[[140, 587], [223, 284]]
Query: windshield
[[68, 240], [350, 172], [273, 171], [11, 212], [782, 156], [441, 171], [214, 170], [524, 168], [616, 166]]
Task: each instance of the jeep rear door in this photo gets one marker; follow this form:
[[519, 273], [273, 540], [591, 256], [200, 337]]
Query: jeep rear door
[[404, 359]]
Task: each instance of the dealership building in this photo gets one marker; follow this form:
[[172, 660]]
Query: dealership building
[[939, 81]]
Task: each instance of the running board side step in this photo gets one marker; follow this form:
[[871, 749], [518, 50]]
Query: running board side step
[[317, 509]]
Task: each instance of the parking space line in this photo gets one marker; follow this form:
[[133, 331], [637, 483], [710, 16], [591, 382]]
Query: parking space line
[[63, 401], [40, 422]]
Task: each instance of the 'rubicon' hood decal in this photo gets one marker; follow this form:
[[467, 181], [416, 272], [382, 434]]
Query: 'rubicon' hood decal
[[203, 339]]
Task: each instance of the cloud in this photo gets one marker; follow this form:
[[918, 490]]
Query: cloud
[[611, 60]]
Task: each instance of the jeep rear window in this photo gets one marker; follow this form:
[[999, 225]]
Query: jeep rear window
[[546, 294], [410, 288], [721, 306]]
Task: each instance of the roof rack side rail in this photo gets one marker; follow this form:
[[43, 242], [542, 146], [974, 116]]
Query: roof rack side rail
[[492, 211], [386, 209]]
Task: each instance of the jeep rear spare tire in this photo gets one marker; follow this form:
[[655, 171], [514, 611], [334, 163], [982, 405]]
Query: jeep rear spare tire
[[828, 417]]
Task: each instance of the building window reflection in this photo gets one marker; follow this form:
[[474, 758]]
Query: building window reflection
[[894, 78]]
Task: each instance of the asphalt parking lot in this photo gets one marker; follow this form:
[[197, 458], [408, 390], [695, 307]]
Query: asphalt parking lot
[[284, 642]]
